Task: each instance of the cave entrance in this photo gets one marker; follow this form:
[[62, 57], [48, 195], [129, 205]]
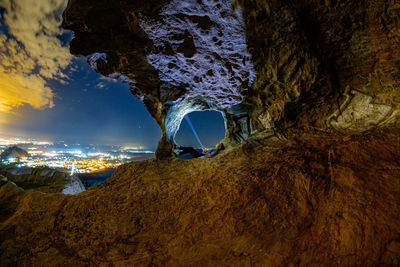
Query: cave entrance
[[200, 129]]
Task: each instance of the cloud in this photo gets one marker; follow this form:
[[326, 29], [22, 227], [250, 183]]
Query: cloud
[[31, 53], [101, 85], [107, 79]]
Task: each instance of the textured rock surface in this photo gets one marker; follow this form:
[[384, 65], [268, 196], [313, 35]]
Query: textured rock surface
[[295, 63], [311, 202], [359, 114], [309, 55], [45, 180]]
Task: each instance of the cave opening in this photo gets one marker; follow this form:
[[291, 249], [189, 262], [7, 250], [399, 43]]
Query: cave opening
[[199, 130]]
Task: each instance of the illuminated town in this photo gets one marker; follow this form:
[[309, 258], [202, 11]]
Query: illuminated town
[[77, 158]]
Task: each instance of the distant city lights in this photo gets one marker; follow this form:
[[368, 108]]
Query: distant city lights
[[76, 158]]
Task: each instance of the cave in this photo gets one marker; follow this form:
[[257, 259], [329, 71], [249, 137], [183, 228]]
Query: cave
[[309, 92]]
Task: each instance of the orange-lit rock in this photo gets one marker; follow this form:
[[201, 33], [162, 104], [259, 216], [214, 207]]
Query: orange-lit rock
[[324, 200]]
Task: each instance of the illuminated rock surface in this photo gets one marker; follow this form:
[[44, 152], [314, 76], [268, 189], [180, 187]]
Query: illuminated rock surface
[[311, 173], [322, 200]]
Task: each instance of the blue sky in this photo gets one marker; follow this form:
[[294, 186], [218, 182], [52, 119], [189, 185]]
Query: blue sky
[[89, 109]]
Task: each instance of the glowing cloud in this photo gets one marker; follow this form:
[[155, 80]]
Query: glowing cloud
[[31, 52]]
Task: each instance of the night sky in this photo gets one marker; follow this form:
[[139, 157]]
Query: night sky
[[46, 93]]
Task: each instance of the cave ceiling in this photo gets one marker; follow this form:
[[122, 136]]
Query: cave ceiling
[[266, 65]]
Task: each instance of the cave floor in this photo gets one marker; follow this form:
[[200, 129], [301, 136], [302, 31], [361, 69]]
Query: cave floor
[[309, 201]]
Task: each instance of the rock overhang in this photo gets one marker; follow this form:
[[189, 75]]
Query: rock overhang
[[200, 45], [258, 62], [199, 53]]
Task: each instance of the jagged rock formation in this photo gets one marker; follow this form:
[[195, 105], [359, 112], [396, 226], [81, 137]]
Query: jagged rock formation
[[326, 201], [43, 179], [13, 152], [264, 64]]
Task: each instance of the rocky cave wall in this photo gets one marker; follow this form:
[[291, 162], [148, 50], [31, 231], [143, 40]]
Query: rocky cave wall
[[330, 65]]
